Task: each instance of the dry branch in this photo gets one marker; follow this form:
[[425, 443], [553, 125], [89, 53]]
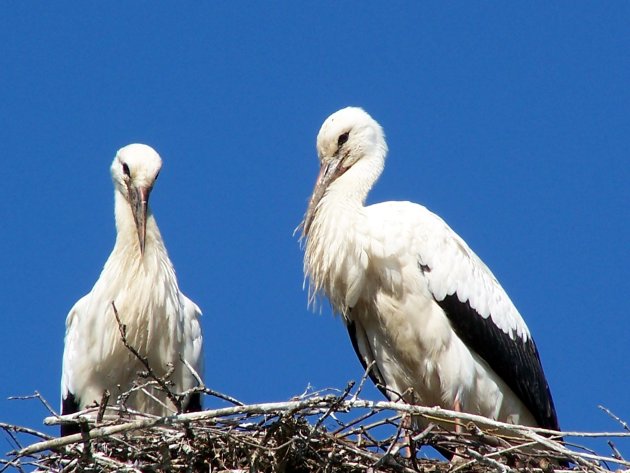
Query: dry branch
[[161, 381]]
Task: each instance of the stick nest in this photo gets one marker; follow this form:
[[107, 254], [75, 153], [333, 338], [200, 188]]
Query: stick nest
[[332, 431]]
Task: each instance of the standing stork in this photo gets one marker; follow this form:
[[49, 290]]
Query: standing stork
[[162, 324], [417, 301]]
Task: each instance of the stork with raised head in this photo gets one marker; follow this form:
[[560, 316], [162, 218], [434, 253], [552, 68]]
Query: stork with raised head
[[417, 301], [162, 324]]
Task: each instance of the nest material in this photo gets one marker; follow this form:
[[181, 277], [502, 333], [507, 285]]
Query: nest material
[[315, 432], [282, 441]]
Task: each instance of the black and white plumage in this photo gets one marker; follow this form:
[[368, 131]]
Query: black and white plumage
[[162, 324], [416, 299]]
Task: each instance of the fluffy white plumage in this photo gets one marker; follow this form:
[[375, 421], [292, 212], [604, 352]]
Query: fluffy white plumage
[[416, 299], [162, 323]]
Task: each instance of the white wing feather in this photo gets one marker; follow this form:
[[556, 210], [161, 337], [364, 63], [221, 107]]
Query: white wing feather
[[192, 343], [71, 347], [454, 267]]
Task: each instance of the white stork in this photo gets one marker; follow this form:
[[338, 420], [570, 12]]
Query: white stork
[[162, 324], [416, 300]]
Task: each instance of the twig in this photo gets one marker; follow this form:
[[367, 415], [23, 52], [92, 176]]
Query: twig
[[102, 406], [489, 461], [35, 395], [211, 392], [580, 458], [110, 462], [16, 442], [335, 404], [145, 362], [158, 401], [225, 397], [13, 464], [393, 446], [364, 378], [356, 421], [616, 452], [24, 430], [422, 435], [192, 370], [609, 412]]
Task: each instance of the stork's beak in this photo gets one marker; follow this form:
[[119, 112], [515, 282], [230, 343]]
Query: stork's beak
[[328, 172], [139, 201]]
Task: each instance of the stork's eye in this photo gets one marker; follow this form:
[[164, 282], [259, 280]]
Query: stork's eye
[[342, 139], [156, 176], [126, 171]]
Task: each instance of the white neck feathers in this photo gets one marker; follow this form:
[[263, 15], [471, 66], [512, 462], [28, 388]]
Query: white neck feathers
[[335, 258]]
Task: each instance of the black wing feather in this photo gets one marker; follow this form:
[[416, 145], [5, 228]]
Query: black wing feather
[[516, 361], [374, 373], [194, 403], [69, 405]]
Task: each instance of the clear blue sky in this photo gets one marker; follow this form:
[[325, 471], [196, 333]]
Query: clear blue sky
[[511, 122]]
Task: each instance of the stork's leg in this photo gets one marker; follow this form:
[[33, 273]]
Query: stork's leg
[[459, 429], [408, 450], [457, 407]]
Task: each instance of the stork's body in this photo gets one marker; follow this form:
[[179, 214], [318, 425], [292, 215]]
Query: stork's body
[[416, 299], [162, 324]]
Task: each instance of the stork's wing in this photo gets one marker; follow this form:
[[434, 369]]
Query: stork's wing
[[192, 352], [366, 357], [516, 361], [486, 320], [69, 399]]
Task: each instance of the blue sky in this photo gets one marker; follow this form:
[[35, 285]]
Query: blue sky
[[512, 122]]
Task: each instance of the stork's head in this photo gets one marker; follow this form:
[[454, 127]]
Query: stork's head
[[134, 171], [347, 137]]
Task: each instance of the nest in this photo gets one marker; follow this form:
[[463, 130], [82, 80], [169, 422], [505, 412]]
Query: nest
[[330, 431], [325, 431]]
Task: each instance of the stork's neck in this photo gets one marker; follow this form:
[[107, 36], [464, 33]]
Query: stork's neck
[[335, 258], [127, 235], [142, 285], [354, 185]]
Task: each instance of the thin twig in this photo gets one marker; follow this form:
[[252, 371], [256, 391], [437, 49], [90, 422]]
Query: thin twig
[[192, 370], [364, 378], [35, 395], [609, 412], [489, 461], [102, 406], [145, 362], [24, 430]]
